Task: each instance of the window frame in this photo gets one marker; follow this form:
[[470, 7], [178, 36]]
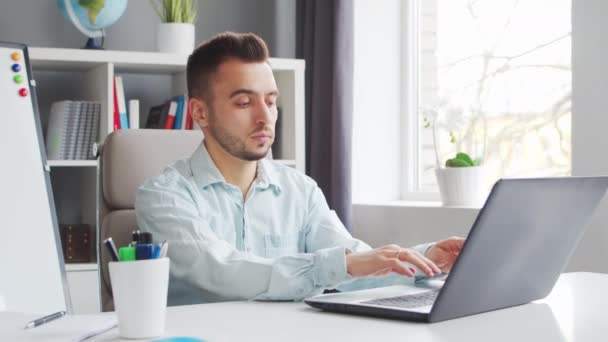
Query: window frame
[[410, 140]]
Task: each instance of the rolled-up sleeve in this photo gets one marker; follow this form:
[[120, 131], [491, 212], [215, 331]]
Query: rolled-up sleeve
[[325, 229], [165, 206]]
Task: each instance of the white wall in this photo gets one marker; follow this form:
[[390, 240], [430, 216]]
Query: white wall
[[407, 225], [590, 119], [376, 161], [40, 23]]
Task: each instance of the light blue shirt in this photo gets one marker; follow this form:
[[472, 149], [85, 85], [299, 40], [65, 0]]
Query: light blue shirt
[[281, 243]]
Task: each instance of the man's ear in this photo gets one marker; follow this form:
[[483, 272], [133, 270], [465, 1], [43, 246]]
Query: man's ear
[[199, 110]]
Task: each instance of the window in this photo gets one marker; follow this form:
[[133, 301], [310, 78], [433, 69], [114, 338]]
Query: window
[[490, 78]]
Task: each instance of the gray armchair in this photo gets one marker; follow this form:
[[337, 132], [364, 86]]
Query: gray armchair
[[127, 158]]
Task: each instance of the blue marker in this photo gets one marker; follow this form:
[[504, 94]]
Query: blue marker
[[157, 249], [144, 248]]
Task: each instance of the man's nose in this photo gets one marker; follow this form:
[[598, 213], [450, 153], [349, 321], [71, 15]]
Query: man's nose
[[263, 113]]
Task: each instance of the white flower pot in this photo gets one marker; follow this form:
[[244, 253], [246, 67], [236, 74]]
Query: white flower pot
[[175, 38], [463, 186]]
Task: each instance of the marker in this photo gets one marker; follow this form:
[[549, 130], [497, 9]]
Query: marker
[[164, 249], [144, 248], [157, 249], [144, 251], [135, 237], [127, 253], [111, 248]]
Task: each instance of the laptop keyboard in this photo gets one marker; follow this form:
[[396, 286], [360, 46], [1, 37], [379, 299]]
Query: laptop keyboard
[[407, 301]]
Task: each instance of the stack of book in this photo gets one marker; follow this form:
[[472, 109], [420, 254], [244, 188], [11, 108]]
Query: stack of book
[[173, 114], [72, 130]]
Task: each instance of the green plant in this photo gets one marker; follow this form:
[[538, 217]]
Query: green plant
[[460, 131], [175, 11], [462, 160]]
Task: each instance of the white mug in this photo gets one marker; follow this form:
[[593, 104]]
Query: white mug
[[140, 296]]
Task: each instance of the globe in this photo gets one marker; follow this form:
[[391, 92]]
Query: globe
[[91, 16]]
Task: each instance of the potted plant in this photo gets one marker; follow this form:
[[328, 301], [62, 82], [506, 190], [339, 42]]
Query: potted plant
[[462, 179], [176, 30]]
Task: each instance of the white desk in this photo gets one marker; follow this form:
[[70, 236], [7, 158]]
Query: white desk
[[576, 310]]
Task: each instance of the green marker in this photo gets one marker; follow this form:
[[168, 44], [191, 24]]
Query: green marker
[[127, 253]]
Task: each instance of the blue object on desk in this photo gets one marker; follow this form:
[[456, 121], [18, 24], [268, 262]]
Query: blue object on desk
[[144, 251], [179, 339]]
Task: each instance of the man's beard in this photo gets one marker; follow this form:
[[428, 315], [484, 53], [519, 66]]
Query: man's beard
[[233, 144]]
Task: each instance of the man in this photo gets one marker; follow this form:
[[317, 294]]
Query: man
[[240, 226]]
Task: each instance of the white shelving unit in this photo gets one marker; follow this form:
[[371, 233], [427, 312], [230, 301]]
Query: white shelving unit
[[72, 74]]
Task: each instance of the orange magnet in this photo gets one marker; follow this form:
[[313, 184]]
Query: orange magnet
[[16, 56]]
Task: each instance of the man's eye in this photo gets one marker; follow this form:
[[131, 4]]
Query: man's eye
[[242, 104], [271, 104]]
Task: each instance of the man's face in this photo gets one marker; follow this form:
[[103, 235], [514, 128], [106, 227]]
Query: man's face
[[243, 111]]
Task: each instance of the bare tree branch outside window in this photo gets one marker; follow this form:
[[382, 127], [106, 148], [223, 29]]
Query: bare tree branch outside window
[[496, 81]]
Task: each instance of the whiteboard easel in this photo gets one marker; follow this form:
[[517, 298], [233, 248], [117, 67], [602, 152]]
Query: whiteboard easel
[[32, 271]]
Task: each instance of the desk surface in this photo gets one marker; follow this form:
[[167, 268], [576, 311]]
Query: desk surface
[[574, 311]]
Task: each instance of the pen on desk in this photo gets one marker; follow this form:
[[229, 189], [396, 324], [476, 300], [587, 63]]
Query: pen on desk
[[111, 248], [45, 319]]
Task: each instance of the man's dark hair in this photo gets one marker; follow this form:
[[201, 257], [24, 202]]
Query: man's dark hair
[[206, 58]]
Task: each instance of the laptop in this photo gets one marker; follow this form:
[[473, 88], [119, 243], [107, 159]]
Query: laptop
[[519, 244]]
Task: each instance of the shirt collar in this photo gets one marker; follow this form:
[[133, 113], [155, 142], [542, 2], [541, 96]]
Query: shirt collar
[[206, 173]]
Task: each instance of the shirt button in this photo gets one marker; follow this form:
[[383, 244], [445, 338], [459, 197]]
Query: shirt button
[[332, 275]]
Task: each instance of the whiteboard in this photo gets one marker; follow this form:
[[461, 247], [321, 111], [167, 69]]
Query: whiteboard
[[32, 272]]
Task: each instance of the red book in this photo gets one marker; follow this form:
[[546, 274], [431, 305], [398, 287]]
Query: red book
[[116, 117], [171, 115], [188, 117]]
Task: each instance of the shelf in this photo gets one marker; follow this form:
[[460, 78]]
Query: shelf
[[91, 266], [126, 61], [72, 163]]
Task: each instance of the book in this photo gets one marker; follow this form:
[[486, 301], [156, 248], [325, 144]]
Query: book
[[56, 134], [91, 149], [133, 114], [73, 130], [188, 116], [179, 114], [184, 121], [154, 117], [83, 117], [171, 115], [116, 115], [122, 105]]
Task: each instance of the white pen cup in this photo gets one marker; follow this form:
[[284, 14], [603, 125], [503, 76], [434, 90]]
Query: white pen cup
[[140, 296]]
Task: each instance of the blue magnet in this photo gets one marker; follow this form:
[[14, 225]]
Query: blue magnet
[[16, 67]]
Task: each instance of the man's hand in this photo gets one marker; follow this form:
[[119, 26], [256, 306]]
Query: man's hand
[[445, 252], [383, 260]]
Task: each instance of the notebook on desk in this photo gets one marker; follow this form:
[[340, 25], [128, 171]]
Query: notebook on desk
[[514, 254], [69, 328]]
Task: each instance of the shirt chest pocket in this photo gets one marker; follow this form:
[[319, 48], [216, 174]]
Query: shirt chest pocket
[[278, 245]]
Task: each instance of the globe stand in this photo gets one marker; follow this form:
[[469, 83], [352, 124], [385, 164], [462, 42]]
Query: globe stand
[[94, 43]]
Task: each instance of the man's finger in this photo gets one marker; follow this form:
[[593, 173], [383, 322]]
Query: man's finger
[[433, 266], [415, 259], [398, 267]]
